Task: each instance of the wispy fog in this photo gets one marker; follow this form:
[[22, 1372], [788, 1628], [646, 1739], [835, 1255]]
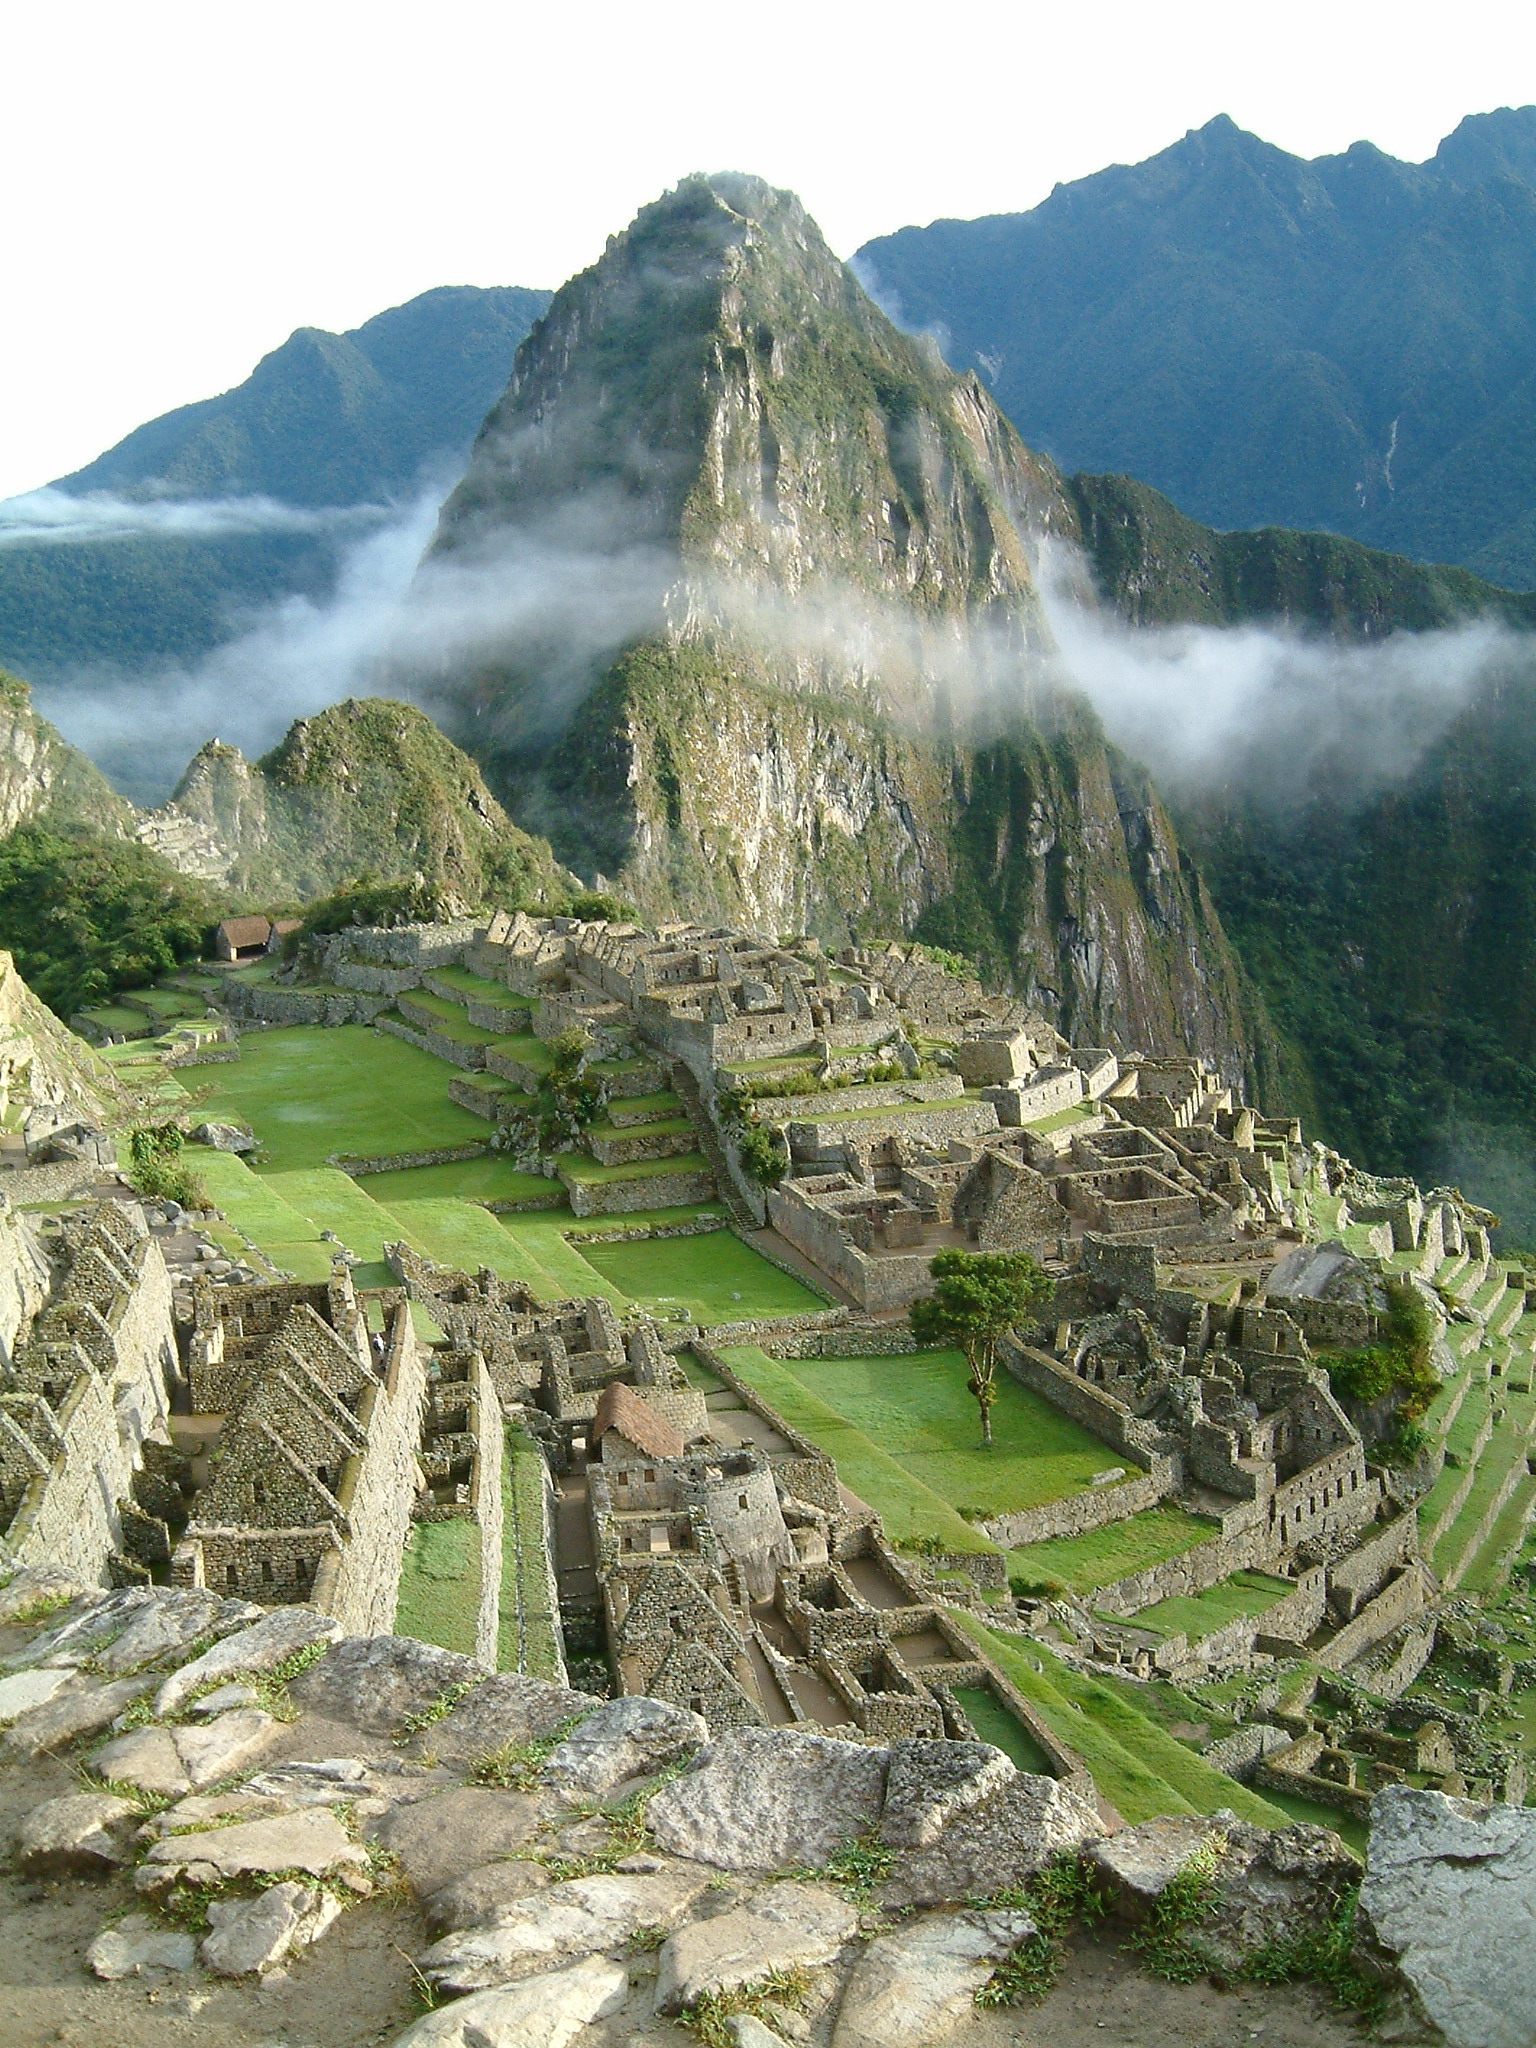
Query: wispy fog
[[55, 517]]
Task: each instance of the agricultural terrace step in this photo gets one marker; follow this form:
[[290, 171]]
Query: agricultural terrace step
[[665, 1138], [1490, 1568], [624, 1110], [1498, 1472], [487, 1095], [1446, 1405], [333, 1202], [1508, 1314], [436, 1013]]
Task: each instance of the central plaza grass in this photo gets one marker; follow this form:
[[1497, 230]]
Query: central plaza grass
[[714, 1277], [308, 1091], [1099, 1555], [912, 1512], [915, 1406]]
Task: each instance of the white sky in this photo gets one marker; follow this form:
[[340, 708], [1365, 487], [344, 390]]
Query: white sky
[[189, 182]]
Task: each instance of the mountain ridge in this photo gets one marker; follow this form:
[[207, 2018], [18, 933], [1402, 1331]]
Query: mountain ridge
[[1342, 343]]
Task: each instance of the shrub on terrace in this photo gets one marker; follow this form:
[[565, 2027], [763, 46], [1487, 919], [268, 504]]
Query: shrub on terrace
[[1398, 1362]]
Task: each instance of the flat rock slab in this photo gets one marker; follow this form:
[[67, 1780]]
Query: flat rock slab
[[621, 1739], [71, 1716], [378, 1683], [78, 1634], [1134, 1866], [541, 2012], [768, 1798], [39, 1585], [136, 1944], [930, 1782], [918, 1985], [1450, 1891], [481, 1897], [441, 1838], [170, 1762], [248, 1653], [581, 1917], [994, 1845], [80, 1834], [782, 1927], [252, 1936], [24, 1690], [159, 1630], [313, 1842], [503, 1710]]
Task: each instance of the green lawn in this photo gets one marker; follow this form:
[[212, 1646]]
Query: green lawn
[[993, 1723], [911, 1511], [440, 1585], [333, 1202], [468, 983], [463, 1235], [538, 1240], [447, 1017], [1138, 1766], [916, 1408], [308, 1091], [1198, 1614], [490, 1178], [716, 1277], [581, 1168], [1099, 1555], [528, 1636]]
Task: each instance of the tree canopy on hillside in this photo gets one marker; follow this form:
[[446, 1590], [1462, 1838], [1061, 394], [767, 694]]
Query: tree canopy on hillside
[[86, 916]]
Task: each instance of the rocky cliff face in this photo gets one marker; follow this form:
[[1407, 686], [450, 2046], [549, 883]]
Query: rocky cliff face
[[44, 780], [367, 787], [824, 701]]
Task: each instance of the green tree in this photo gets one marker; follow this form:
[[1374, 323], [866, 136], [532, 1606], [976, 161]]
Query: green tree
[[977, 1298], [568, 1100], [86, 916]]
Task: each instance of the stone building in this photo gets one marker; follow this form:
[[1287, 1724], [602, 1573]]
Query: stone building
[[315, 1469], [87, 1384]]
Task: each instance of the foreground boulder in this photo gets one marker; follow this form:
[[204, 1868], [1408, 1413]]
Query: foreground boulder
[[782, 1927], [501, 1711], [170, 1762], [768, 1798], [623, 1738], [541, 2012], [1450, 1896], [313, 1843], [271, 1642], [995, 1844], [444, 1837], [382, 1684], [583, 1916], [919, 1984], [252, 1936], [1267, 1882], [83, 1834], [136, 1944], [930, 1782]]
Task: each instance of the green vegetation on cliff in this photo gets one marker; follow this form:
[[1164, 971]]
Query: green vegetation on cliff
[[87, 916]]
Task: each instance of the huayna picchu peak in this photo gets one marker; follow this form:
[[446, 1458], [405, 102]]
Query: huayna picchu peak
[[825, 702]]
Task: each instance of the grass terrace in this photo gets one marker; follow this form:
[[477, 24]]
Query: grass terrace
[[579, 1167], [1098, 1556], [848, 1116], [1137, 1765], [490, 1178], [713, 1278], [528, 1631], [440, 1584], [449, 1019], [479, 987], [915, 1406], [309, 1091], [1238, 1598], [913, 1514]]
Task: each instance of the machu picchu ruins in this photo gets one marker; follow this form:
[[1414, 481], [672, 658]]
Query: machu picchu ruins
[[1211, 1561]]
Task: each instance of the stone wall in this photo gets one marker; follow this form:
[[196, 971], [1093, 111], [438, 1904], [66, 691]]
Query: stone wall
[[1400, 1600], [379, 1508], [1356, 1578], [389, 1162], [1193, 1571], [645, 1191], [890, 1281], [23, 1278], [262, 1003], [453, 1050], [825, 1137], [1094, 1508], [1089, 1405]]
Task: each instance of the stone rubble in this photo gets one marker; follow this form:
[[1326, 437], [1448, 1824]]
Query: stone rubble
[[541, 2012], [915, 1986], [580, 1917], [82, 1834], [136, 1944], [622, 1738], [251, 1936]]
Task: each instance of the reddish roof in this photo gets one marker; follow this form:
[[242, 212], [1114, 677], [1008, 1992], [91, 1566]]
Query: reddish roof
[[246, 931], [621, 1408]]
